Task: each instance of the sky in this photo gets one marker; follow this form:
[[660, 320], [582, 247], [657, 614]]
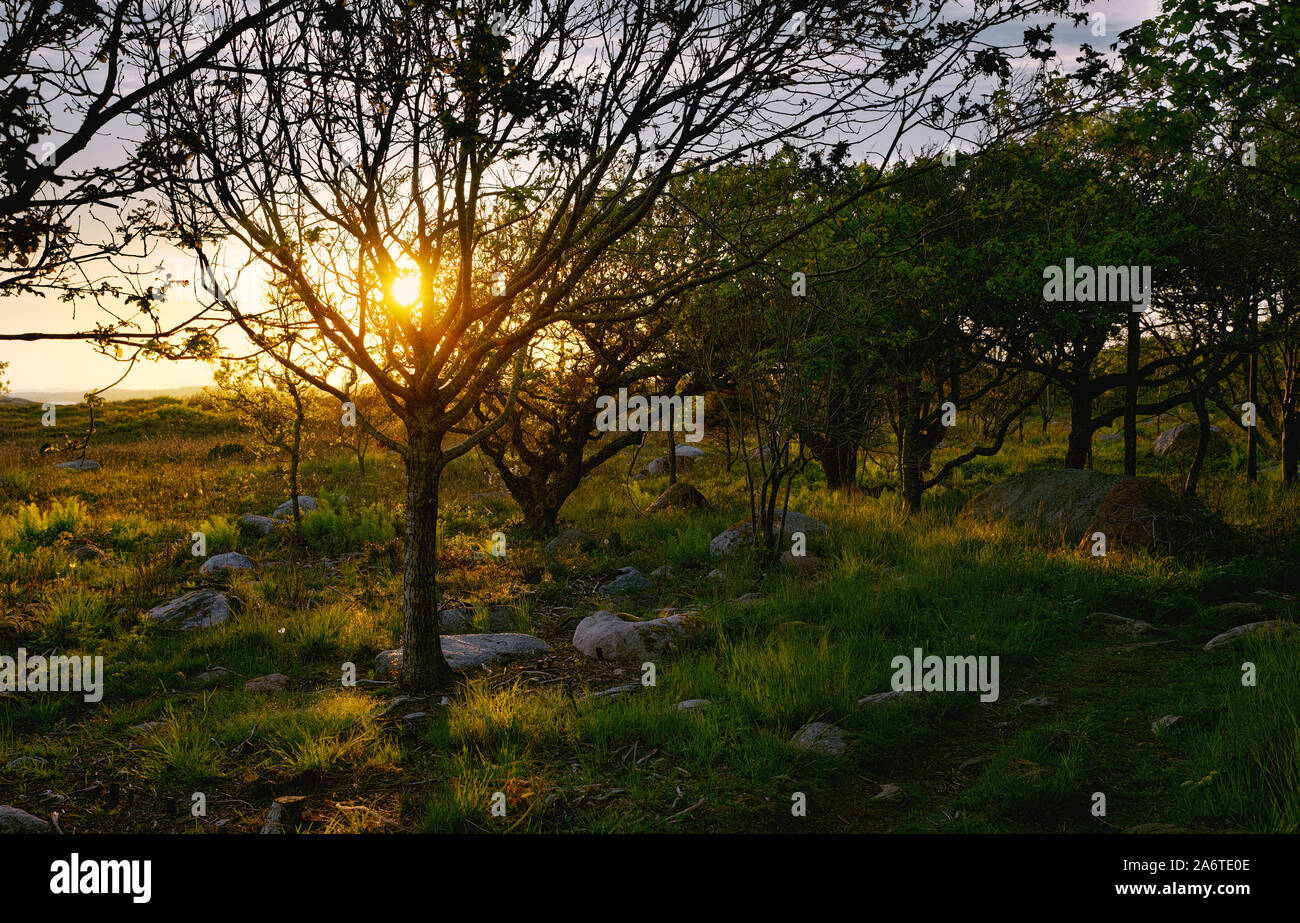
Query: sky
[[76, 366]]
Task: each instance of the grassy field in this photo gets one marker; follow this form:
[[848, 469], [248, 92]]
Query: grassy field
[[171, 724]]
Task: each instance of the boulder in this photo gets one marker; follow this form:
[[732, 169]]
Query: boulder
[[1143, 514], [660, 464], [305, 504], [1274, 628], [272, 682], [88, 552], [740, 534], [455, 622], [80, 464], [199, 609], [820, 737], [679, 496], [806, 563], [605, 636], [1053, 500], [570, 540], [686, 450], [501, 618], [16, 820], [468, 652], [263, 524], [629, 580], [231, 560], [1180, 442]]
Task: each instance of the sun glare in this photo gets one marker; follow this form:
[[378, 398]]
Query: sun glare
[[405, 290]]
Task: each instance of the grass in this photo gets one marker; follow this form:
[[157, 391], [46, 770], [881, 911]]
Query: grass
[[527, 747]]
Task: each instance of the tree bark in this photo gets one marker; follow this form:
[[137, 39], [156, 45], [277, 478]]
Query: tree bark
[[1080, 444], [1202, 447], [1131, 394], [910, 451], [423, 666]]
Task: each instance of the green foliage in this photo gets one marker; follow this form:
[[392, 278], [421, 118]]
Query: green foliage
[[332, 531]]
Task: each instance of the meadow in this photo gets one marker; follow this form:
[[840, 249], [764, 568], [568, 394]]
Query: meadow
[[777, 647]]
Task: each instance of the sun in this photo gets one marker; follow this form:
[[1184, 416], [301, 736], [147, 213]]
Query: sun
[[405, 290]]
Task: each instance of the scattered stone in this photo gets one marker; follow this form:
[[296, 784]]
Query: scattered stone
[[820, 737], [660, 465], [889, 792], [1118, 624], [263, 524], [716, 574], [741, 534], [1143, 514], [1061, 500], [614, 692], [455, 622], [1166, 721], [692, 704], [685, 450], [501, 618], [605, 636], [80, 464], [1182, 440], [211, 676], [231, 560], [1273, 628], [1040, 701], [679, 496], [197, 609], [468, 652], [305, 504], [88, 552], [662, 573], [629, 580], [570, 540], [272, 682], [16, 820], [877, 698], [1110, 437]]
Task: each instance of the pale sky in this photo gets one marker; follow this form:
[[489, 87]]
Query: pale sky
[[75, 366]]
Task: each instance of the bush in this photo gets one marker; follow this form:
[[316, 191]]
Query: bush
[[333, 531], [221, 534], [43, 528]]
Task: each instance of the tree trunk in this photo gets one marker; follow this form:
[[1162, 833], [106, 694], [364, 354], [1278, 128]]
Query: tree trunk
[[839, 459], [672, 447], [1252, 395], [910, 450], [295, 456], [423, 666], [1131, 394], [1290, 447], [1202, 447], [1080, 444]]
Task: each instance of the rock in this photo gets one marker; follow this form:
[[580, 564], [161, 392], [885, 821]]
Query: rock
[[81, 464], [231, 560], [692, 704], [1143, 514], [272, 682], [662, 573], [146, 726], [1040, 701], [1110, 437], [679, 496], [455, 622], [716, 574], [1181, 440], [803, 563], [660, 465], [748, 599], [305, 504], [210, 677], [629, 580], [1118, 624], [1167, 721], [615, 691], [1274, 628], [889, 792], [1231, 614], [741, 534], [263, 524], [686, 450], [877, 698], [820, 737], [604, 636], [1272, 594], [468, 652], [24, 762], [501, 618], [1053, 500], [199, 609], [16, 820], [570, 540], [88, 552]]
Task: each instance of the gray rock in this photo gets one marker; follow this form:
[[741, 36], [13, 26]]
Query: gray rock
[[614, 692], [231, 560], [605, 636], [80, 464], [501, 618], [1040, 701], [716, 574], [660, 465], [24, 762], [685, 450], [1181, 440], [263, 524], [1163, 722], [748, 599], [1118, 624], [889, 792], [468, 652], [692, 704], [679, 496], [16, 820], [1272, 628], [88, 552], [211, 676], [1054, 500], [199, 609], [820, 737], [305, 504], [741, 534], [570, 540], [455, 622], [272, 682], [629, 580]]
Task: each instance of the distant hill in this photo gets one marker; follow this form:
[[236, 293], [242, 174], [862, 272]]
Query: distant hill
[[28, 398]]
